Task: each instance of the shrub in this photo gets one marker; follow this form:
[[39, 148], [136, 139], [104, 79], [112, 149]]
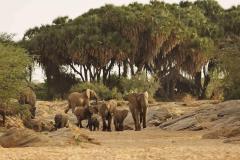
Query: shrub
[[139, 83], [13, 71], [40, 90], [215, 87]]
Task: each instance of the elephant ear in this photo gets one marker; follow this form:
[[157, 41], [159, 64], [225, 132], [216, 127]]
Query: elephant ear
[[88, 93], [146, 94]]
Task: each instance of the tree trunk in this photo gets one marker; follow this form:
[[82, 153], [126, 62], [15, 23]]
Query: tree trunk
[[125, 69], [104, 77], [198, 84], [119, 70], [132, 69], [76, 71], [30, 73], [205, 84], [49, 89], [85, 73], [99, 75], [106, 70]]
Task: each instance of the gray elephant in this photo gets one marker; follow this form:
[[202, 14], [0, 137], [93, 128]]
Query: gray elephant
[[80, 99], [93, 122], [106, 111], [27, 96], [119, 116], [138, 104], [61, 121], [3, 114], [82, 113]]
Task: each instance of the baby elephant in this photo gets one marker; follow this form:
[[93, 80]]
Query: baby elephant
[[119, 116], [82, 113], [93, 122], [61, 121]]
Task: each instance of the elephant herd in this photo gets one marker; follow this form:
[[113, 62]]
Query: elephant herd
[[106, 111]]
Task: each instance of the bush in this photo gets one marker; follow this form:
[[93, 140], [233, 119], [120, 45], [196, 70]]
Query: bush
[[13, 71], [14, 108], [120, 87], [102, 91], [215, 87], [40, 90]]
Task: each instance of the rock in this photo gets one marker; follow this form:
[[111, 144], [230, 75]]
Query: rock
[[225, 132], [28, 138], [223, 120], [154, 122], [19, 138]]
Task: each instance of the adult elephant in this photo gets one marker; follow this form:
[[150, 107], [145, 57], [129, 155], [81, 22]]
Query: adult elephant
[[138, 104], [106, 111], [80, 99], [27, 96]]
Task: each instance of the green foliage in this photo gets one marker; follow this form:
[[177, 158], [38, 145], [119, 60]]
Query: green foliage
[[40, 90], [13, 71], [14, 108], [102, 91], [215, 87], [165, 39], [230, 58], [139, 83]]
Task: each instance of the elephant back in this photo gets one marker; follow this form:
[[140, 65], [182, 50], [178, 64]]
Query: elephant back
[[27, 96]]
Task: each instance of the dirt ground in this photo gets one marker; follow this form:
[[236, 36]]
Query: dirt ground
[[150, 143]]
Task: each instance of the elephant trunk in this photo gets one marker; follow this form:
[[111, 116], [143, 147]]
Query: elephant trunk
[[96, 99]]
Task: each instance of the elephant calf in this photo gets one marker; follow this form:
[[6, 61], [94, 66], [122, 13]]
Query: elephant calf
[[3, 114], [93, 122], [119, 116], [82, 113], [61, 121], [106, 111]]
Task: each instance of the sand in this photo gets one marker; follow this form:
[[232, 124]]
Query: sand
[[151, 143]]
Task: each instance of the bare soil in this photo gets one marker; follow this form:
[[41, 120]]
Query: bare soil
[[150, 143]]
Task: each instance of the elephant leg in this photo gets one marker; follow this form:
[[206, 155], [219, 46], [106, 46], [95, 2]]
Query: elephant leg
[[57, 125], [138, 127], [90, 127], [33, 111], [134, 118], [115, 125], [73, 109], [67, 109], [62, 124], [144, 117], [109, 123], [141, 118], [89, 121], [104, 124], [80, 124]]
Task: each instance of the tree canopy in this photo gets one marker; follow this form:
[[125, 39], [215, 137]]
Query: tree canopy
[[172, 41], [14, 62]]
